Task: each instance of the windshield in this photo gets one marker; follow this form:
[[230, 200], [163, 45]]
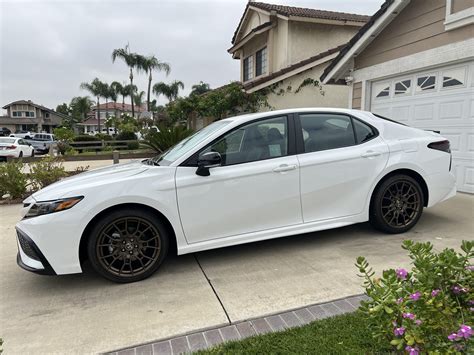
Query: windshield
[[188, 143]]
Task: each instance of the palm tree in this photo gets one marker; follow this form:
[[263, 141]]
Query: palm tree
[[132, 60], [170, 91], [117, 89], [81, 106], [96, 88], [199, 89], [148, 64], [138, 98]]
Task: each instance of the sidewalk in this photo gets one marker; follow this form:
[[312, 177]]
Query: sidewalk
[[208, 338]]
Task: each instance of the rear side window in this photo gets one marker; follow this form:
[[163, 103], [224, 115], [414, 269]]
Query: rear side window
[[363, 132], [326, 131]]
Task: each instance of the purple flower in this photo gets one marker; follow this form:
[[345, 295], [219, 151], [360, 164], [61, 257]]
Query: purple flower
[[401, 274], [408, 315], [470, 267], [400, 300], [434, 293], [399, 331], [464, 331], [452, 336], [458, 289], [412, 350], [471, 309], [415, 296], [471, 302], [418, 322]]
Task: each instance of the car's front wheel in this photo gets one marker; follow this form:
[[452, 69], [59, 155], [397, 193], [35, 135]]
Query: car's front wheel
[[397, 204], [127, 245]]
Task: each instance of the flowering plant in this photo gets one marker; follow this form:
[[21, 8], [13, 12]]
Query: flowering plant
[[428, 309]]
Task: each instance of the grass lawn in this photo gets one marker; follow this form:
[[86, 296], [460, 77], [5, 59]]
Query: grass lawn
[[344, 334]]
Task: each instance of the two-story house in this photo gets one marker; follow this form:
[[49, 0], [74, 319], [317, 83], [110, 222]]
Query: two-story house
[[414, 63], [285, 49], [25, 115]]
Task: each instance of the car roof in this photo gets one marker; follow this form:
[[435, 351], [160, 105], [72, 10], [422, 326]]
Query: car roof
[[248, 117]]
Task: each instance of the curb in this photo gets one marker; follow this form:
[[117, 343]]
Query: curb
[[212, 336]]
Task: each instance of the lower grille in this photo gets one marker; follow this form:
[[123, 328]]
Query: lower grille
[[27, 248]]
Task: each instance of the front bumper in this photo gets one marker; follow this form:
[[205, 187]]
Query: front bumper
[[30, 257]]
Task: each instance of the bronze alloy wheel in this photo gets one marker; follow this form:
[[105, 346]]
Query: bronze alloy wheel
[[128, 246], [400, 203]]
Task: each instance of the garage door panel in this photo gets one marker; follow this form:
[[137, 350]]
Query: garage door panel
[[448, 109]]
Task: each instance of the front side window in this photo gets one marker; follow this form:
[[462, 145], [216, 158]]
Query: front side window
[[261, 62], [264, 139], [248, 68], [326, 131]]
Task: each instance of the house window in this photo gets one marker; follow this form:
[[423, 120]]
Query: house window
[[454, 77], [385, 92], [16, 114], [425, 83], [261, 62], [402, 87], [248, 68]]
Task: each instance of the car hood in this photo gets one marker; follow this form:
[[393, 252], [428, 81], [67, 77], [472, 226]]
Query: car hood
[[80, 183]]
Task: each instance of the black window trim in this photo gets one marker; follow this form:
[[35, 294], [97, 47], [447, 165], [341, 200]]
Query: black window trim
[[290, 119], [299, 130]]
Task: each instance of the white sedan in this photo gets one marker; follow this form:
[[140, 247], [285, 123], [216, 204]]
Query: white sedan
[[15, 148], [238, 180]]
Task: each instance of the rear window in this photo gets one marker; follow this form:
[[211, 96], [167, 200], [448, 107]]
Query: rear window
[[7, 140]]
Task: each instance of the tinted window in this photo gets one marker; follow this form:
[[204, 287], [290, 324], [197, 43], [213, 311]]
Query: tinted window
[[363, 132], [326, 131], [260, 140]]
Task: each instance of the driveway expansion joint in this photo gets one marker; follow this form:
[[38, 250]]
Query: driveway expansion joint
[[207, 338]]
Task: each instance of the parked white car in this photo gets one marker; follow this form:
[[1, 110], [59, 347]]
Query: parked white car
[[23, 134], [15, 147], [238, 180]]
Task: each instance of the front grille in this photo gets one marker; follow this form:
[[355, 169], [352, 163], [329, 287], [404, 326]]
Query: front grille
[[26, 247]]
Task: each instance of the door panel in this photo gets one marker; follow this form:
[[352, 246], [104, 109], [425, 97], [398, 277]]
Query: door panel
[[239, 199]]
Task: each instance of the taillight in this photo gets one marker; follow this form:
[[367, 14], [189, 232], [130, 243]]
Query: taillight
[[441, 145], [11, 147]]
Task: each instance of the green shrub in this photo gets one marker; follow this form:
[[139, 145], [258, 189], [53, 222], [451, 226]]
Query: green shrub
[[64, 134], [63, 147], [126, 136], [12, 180], [103, 137], [166, 137], [46, 171], [85, 138], [429, 309], [133, 145]]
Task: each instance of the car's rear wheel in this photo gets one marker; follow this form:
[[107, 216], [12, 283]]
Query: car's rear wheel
[[397, 204], [127, 245]]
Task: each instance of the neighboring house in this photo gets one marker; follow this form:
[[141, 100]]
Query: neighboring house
[[414, 62], [25, 115], [110, 109], [281, 47]]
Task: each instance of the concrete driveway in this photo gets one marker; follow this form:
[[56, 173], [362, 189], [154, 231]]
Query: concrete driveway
[[85, 314]]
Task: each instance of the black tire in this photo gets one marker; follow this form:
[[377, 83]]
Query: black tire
[[397, 204], [131, 248]]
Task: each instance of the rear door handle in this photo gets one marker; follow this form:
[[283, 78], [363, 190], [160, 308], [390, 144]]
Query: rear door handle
[[370, 154], [284, 167]]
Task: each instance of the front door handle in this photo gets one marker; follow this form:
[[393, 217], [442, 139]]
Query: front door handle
[[371, 154], [284, 167]]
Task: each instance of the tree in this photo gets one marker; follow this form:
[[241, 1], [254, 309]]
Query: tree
[[80, 107], [138, 98], [170, 91], [96, 88], [131, 60], [148, 65], [118, 89], [63, 108], [199, 89]]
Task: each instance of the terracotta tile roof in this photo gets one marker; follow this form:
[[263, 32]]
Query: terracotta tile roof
[[292, 67], [301, 12], [312, 13], [119, 107]]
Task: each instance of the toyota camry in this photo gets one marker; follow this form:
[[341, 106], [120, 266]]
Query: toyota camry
[[239, 180]]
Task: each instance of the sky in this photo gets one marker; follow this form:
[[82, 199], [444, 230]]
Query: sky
[[48, 48]]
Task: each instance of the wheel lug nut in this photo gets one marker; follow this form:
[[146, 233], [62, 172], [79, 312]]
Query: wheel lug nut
[[131, 252], [123, 249]]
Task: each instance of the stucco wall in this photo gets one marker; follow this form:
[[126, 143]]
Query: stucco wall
[[254, 19], [308, 39], [309, 96]]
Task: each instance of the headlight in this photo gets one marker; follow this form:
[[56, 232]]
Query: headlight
[[46, 207]]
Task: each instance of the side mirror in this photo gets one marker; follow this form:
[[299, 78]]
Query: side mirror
[[206, 161]]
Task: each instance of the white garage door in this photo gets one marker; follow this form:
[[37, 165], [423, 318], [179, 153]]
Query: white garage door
[[440, 99]]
